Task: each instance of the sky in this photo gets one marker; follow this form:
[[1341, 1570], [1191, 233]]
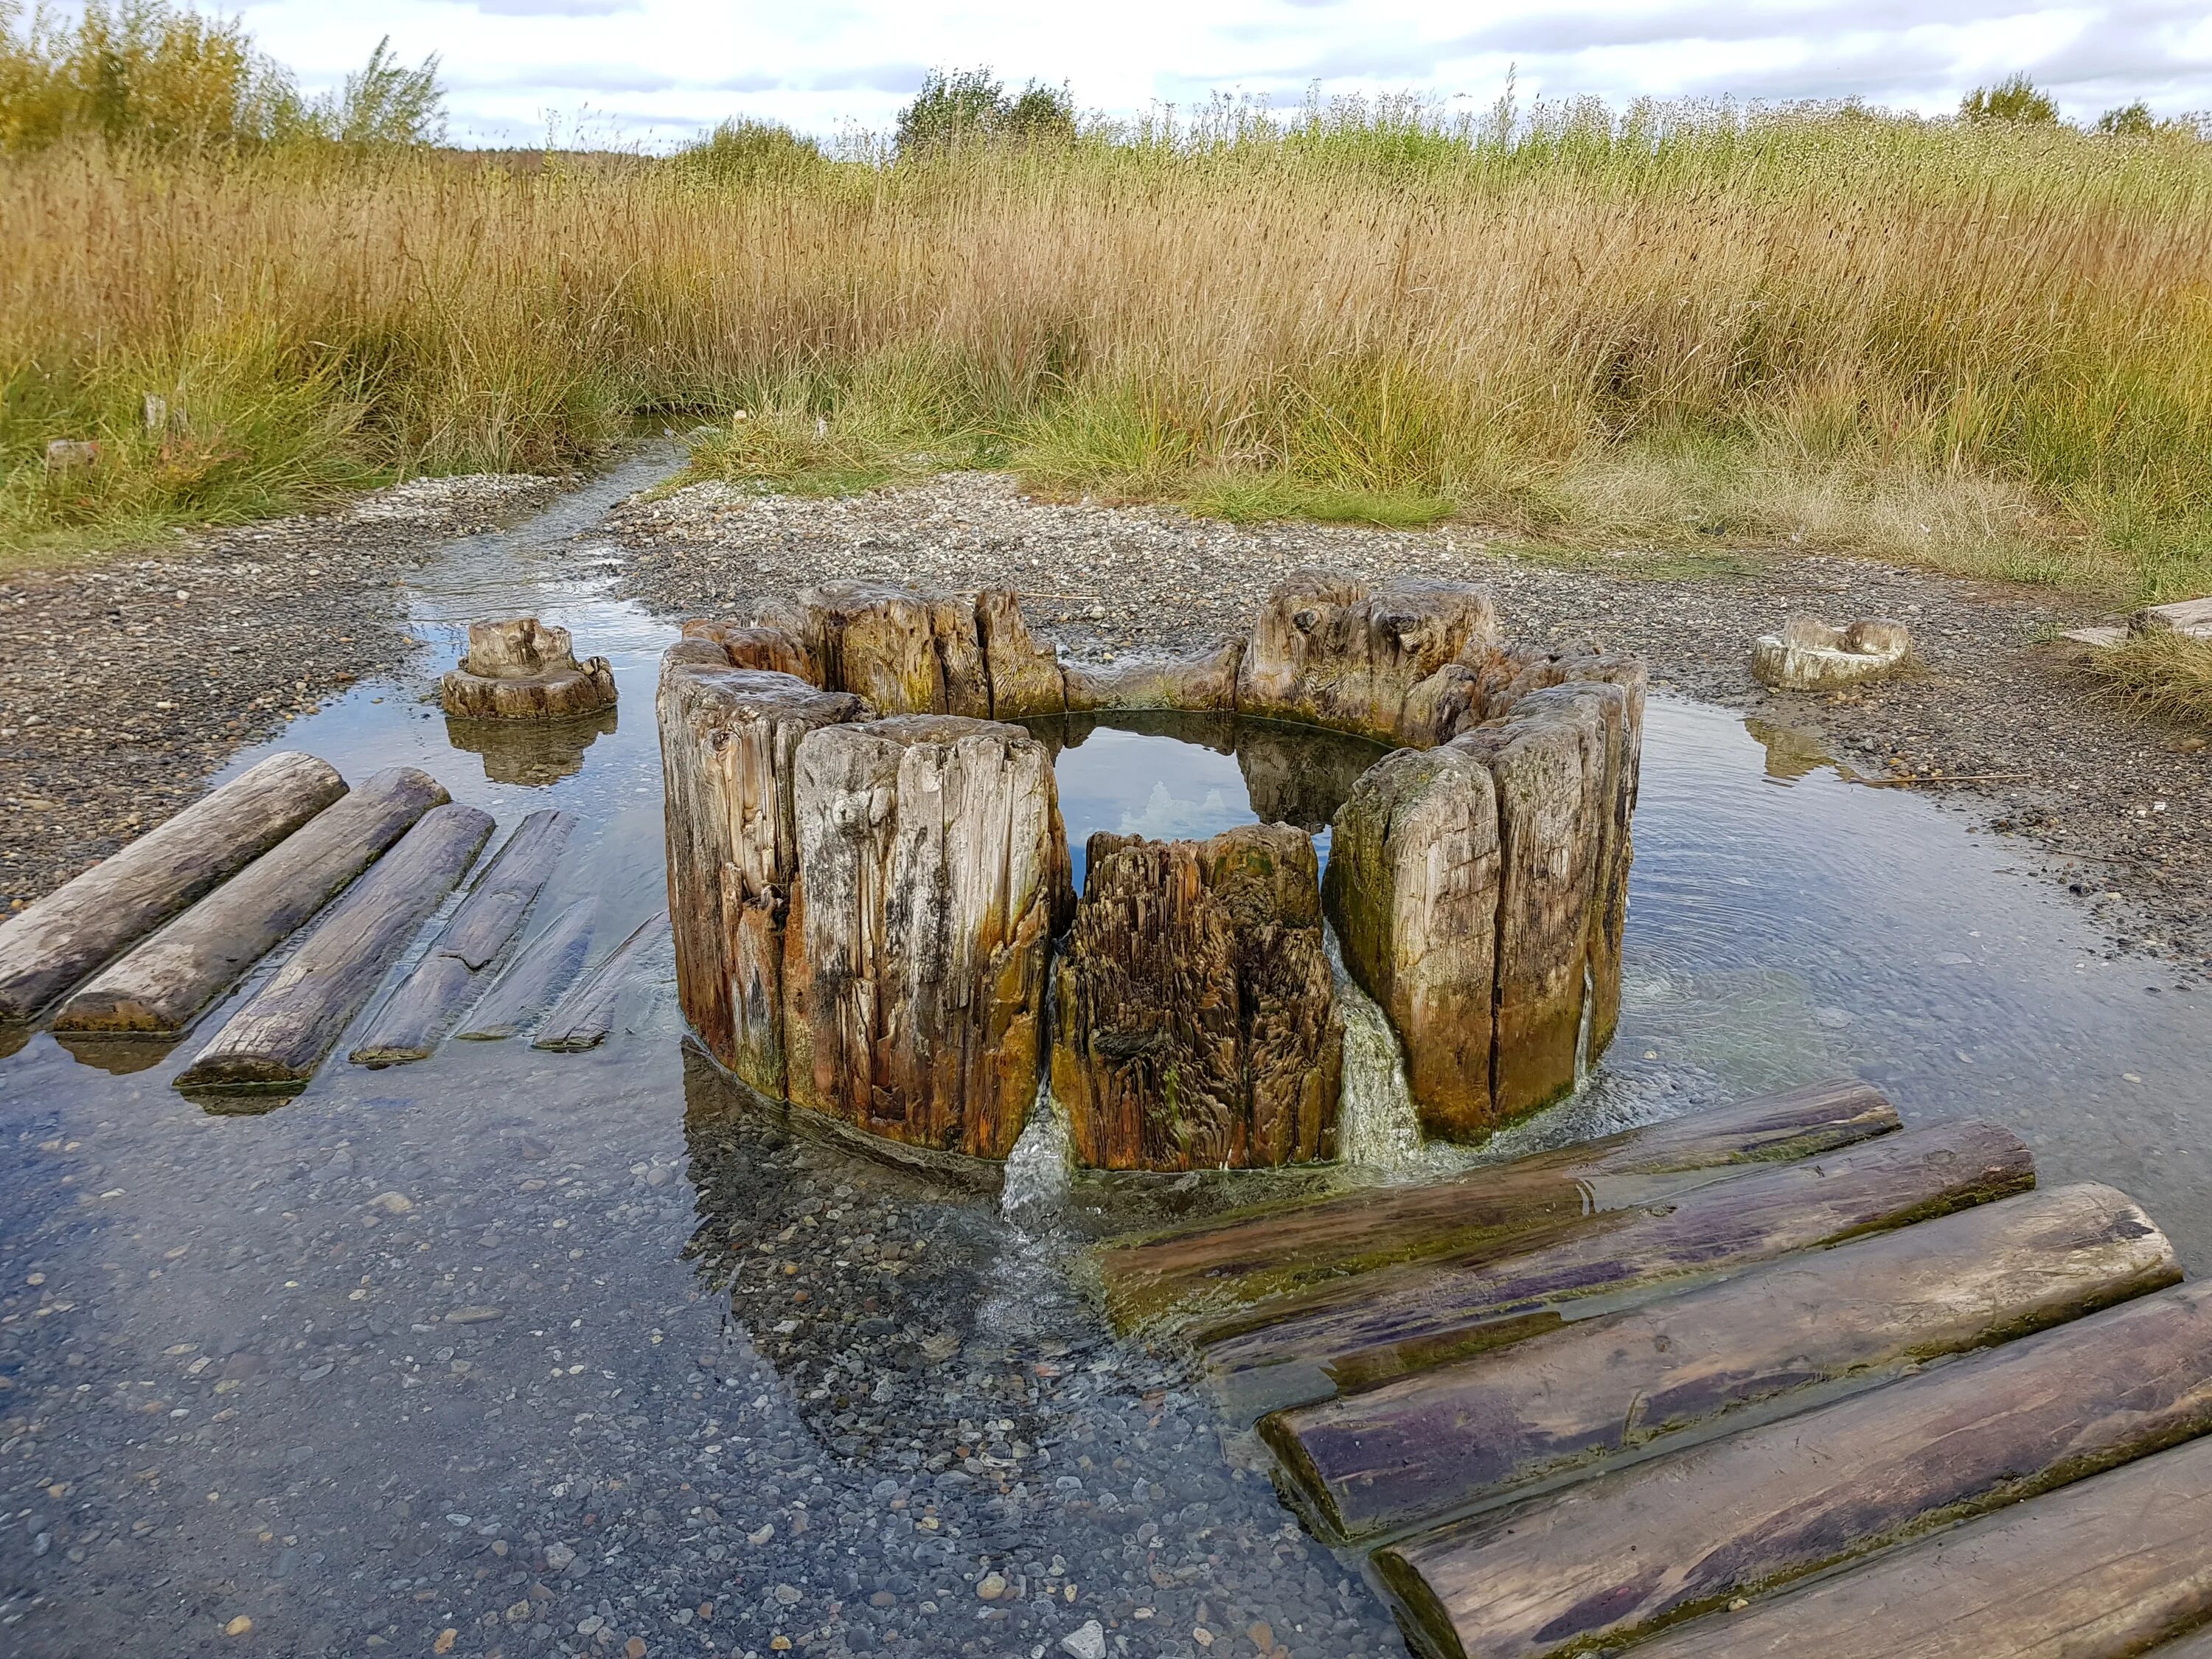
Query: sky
[[656, 72]]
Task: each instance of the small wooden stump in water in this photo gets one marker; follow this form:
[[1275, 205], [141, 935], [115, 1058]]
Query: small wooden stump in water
[[1197, 1019], [932, 869], [84, 923], [521, 669]]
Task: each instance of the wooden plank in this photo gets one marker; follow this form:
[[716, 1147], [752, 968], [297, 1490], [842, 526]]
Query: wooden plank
[[2102, 1570], [587, 1014], [541, 971], [161, 986], [85, 922], [1408, 1453], [1228, 1261], [408, 1026], [2198, 1646], [1623, 1553], [1358, 1332], [274, 1043]]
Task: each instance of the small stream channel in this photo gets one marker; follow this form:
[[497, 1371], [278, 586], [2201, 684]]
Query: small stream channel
[[553, 1352]]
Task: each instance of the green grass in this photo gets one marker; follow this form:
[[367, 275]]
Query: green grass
[[2160, 673]]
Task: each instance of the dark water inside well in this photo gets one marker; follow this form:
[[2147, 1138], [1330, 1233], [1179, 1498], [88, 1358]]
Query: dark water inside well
[[553, 1351]]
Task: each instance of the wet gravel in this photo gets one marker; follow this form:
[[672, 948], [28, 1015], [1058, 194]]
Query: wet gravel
[[123, 686], [1992, 700]]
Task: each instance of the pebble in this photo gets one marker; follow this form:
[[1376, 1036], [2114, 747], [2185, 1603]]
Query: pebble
[[1086, 1641]]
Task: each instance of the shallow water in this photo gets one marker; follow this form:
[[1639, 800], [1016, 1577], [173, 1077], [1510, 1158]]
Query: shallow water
[[552, 1351]]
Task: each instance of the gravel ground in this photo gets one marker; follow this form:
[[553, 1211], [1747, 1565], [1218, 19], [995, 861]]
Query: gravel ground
[[122, 687], [1992, 701]]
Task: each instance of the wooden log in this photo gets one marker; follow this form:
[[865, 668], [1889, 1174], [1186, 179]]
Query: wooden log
[[274, 1043], [1357, 1332], [85, 922], [1328, 650], [519, 668], [1202, 683], [1197, 1024], [1621, 1554], [1024, 671], [905, 651], [1413, 1451], [2103, 1569], [1230, 1260], [582, 1019], [1413, 889], [729, 740], [159, 987], [756, 646], [417, 1015], [932, 869], [541, 971]]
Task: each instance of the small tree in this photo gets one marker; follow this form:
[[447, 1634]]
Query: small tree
[[958, 106], [742, 149], [1041, 113], [2129, 121], [388, 103], [2015, 98]]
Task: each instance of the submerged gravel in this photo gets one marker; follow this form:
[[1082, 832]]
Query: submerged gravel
[[1992, 701]]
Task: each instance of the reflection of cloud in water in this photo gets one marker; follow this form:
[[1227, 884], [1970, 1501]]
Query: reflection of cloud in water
[[1166, 818]]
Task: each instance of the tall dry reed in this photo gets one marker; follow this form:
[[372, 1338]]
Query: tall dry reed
[[1983, 347]]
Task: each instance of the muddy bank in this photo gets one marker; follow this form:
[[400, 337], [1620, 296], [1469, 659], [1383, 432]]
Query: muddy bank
[[1992, 701], [123, 686]]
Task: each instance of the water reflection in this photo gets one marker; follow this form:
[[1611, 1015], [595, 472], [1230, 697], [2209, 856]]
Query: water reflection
[[533, 753]]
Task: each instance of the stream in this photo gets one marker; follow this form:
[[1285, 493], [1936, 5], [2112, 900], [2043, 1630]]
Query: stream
[[515, 1353]]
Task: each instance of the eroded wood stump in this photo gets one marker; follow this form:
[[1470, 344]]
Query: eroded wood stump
[[729, 740], [1197, 1020], [1204, 682], [904, 650], [519, 668], [931, 866]]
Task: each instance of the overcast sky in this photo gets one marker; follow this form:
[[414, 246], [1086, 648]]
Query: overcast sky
[[658, 70]]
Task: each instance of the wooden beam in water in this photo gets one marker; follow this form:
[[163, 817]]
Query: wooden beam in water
[[85, 922], [544, 967], [1408, 1453], [408, 1026], [1359, 1333], [2104, 1569], [1618, 1556], [162, 984], [587, 1014], [274, 1043], [1228, 1261]]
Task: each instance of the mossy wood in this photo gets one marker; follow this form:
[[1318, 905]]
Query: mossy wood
[[1196, 1022], [1626, 1552], [2107, 1568], [1416, 1450], [1226, 1262], [1357, 1332], [429, 1000], [161, 987], [85, 922], [274, 1042]]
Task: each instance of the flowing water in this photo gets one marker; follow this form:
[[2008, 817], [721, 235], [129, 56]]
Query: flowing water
[[532, 1354]]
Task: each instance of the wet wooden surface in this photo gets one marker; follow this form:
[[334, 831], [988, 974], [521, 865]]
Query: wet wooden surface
[[1405, 1454], [1361, 1332], [582, 1018], [1627, 1551], [545, 967]]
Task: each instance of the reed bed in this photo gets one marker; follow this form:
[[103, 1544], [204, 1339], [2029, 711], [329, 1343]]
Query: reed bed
[[1986, 348]]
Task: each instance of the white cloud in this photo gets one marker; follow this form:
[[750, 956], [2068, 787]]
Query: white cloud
[[678, 65]]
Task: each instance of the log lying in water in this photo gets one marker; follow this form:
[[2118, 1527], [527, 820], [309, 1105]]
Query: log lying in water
[[84, 923], [932, 868], [277, 1039], [542, 970], [1358, 1332], [1197, 1024], [408, 1026], [159, 987], [1406, 1454], [1204, 682], [1620, 1554], [1228, 1261], [587, 1014], [2101, 1569]]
